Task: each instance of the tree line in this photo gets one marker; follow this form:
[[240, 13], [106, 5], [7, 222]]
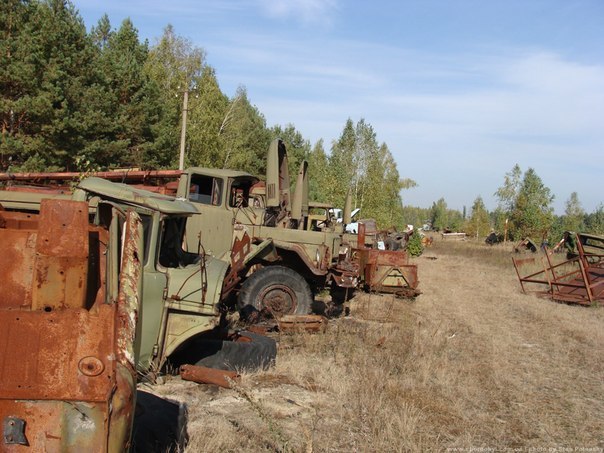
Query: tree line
[[80, 100], [85, 100], [524, 210]]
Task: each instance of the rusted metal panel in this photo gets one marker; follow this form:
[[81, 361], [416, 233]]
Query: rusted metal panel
[[386, 270], [117, 175], [66, 372], [130, 285], [61, 266], [16, 267], [240, 249], [19, 233]]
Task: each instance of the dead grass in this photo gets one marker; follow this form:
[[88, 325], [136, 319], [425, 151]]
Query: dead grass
[[471, 363]]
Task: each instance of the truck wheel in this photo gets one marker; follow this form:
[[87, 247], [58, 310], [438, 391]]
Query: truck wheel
[[278, 289]]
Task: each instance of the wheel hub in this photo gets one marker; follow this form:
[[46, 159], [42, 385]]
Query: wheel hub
[[278, 299]]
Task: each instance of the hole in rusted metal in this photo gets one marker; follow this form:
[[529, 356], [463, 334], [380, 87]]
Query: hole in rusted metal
[[48, 309]]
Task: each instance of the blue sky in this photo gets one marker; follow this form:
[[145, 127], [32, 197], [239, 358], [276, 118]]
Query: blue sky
[[459, 90]]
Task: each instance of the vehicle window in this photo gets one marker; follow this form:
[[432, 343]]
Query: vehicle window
[[147, 223], [240, 194], [206, 190], [171, 252]]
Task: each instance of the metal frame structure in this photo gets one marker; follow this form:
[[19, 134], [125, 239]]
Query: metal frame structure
[[579, 279]]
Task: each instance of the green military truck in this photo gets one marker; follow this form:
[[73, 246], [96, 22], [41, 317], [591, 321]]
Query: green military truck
[[288, 262], [280, 255], [182, 291], [259, 226]]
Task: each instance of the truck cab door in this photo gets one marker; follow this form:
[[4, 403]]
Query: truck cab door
[[214, 224]]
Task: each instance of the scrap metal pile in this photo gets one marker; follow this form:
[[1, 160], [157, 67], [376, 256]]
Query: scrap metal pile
[[578, 279]]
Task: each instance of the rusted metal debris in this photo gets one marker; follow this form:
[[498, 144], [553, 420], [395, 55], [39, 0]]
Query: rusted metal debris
[[241, 248], [427, 241], [159, 181], [67, 379], [204, 375], [386, 270], [579, 279], [526, 245], [305, 323]]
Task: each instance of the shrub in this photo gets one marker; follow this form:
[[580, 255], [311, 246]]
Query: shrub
[[414, 246]]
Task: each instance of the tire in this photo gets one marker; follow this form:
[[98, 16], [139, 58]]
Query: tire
[[277, 289], [257, 353]]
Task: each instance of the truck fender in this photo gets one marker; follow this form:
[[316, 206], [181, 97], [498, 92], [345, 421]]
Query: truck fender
[[264, 251]]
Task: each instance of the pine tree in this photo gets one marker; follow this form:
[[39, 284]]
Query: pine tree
[[17, 81], [123, 107], [48, 71]]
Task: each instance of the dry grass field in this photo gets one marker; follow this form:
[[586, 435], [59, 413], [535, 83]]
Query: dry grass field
[[470, 365]]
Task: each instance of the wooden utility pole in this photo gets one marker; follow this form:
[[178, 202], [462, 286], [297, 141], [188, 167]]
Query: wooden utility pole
[[505, 232], [183, 130]]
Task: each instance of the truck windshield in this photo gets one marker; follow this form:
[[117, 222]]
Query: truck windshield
[[206, 190], [171, 252]]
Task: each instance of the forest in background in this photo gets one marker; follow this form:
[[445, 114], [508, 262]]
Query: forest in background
[[87, 100]]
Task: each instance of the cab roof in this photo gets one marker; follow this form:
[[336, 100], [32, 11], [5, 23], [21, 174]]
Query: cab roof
[[140, 197], [219, 173]]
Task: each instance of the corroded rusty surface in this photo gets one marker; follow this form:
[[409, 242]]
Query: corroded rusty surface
[[204, 375], [118, 175], [386, 270], [59, 367], [240, 249], [579, 279], [61, 264], [130, 289]]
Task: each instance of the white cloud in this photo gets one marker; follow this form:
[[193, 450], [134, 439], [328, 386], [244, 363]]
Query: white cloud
[[455, 122], [452, 122], [307, 11]]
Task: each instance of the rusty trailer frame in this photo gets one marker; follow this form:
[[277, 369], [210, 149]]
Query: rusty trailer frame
[[578, 280], [387, 271]]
